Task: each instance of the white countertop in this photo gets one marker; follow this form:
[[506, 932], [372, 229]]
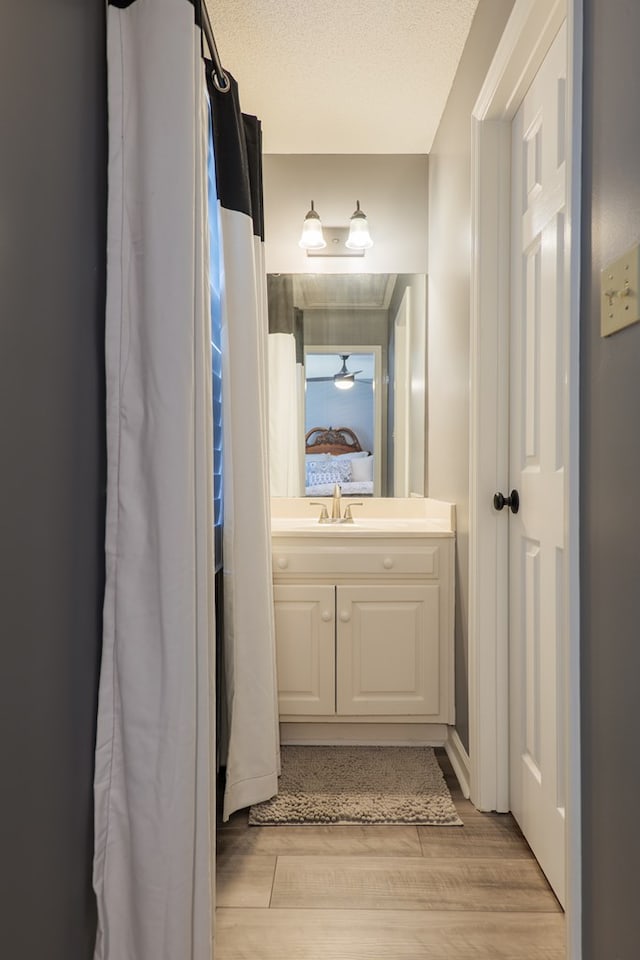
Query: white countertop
[[297, 527], [376, 517]]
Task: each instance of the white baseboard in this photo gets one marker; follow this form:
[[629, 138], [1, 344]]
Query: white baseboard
[[459, 760], [364, 734]]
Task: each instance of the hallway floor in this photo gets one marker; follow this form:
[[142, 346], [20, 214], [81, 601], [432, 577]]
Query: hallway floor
[[384, 893]]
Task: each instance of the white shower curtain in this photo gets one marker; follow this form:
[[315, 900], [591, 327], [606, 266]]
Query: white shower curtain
[[286, 438], [153, 780], [286, 390], [251, 754]]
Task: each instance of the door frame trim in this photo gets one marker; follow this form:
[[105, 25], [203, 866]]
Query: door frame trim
[[527, 37]]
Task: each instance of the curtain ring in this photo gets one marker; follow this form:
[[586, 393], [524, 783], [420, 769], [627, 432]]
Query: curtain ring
[[222, 85]]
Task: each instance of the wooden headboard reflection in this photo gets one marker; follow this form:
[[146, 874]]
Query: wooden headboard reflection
[[334, 440]]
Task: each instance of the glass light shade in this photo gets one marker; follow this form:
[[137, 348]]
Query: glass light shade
[[311, 237], [359, 237], [344, 383]]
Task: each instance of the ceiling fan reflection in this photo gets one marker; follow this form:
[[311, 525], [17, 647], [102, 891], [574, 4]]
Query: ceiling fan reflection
[[344, 379]]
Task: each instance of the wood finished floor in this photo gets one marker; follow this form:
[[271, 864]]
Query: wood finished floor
[[384, 893]]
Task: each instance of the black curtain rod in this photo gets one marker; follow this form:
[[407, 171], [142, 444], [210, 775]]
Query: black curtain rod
[[220, 78]]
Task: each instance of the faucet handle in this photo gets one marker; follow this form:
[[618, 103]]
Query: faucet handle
[[324, 514], [347, 513]]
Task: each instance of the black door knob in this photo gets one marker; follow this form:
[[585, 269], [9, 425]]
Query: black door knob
[[512, 501]]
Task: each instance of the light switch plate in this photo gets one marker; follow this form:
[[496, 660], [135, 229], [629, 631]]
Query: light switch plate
[[619, 284]]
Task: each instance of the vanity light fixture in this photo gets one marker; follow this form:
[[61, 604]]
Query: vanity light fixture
[[351, 241], [311, 237], [359, 236]]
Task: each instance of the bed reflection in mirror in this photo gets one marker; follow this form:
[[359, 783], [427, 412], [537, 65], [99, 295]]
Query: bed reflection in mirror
[[347, 384], [342, 388]]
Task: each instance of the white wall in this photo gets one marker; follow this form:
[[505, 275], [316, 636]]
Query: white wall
[[449, 309], [392, 190]]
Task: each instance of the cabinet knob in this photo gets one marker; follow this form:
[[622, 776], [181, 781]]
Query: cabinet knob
[[327, 615], [345, 616], [283, 563], [387, 563]]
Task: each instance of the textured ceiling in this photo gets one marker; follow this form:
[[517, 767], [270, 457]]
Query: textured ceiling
[[343, 291], [343, 76]]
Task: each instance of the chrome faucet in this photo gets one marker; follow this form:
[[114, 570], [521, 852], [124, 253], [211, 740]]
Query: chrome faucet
[[335, 503]]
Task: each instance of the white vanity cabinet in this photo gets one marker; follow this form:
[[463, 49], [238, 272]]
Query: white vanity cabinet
[[388, 650], [306, 648], [364, 625]]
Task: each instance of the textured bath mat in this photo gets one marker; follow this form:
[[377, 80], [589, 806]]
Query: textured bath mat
[[358, 785]]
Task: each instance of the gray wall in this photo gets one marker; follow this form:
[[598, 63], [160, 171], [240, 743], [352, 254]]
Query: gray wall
[[449, 311], [52, 256], [610, 487], [392, 189]]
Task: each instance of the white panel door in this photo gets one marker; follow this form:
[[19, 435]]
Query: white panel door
[[388, 650], [537, 455], [305, 649]]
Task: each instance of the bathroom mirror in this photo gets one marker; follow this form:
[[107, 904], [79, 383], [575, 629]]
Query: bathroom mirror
[[360, 346]]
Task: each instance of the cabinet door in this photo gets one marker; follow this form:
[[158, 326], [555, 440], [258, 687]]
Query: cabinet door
[[305, 649], [388, 650]]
